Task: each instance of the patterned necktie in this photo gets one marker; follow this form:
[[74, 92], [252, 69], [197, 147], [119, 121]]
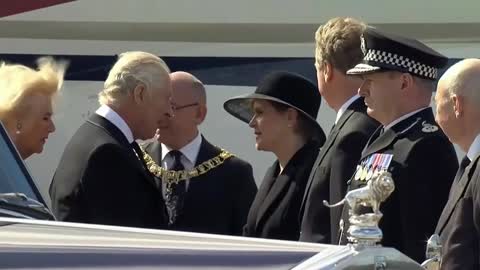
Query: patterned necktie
[[175, 194]]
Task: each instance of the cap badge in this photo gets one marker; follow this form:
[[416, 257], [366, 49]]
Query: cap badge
[[362, 45], [428, 128]]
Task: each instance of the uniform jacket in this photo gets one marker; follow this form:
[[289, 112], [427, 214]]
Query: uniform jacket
[[423, 166]]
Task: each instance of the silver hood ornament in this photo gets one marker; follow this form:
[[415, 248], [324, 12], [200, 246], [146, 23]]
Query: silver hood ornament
[[364, 230]]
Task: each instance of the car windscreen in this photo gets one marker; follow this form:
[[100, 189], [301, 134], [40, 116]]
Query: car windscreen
[[14, 176]]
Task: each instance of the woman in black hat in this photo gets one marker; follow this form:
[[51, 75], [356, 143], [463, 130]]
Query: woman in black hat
[[282, 113]]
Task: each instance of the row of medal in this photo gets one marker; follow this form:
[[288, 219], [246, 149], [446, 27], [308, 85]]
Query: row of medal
[[372, 165]]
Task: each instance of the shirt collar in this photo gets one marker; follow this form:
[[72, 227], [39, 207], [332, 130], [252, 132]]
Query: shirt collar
[[401, 118], [116, 120], [345, 106], [190, 150], [474, 148]]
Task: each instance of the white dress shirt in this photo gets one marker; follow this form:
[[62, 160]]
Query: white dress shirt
[[345, 106], [474, 148], [403, 117], [116, 120]]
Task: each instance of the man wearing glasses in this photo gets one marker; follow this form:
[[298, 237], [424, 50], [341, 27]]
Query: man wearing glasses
[[206, 189]]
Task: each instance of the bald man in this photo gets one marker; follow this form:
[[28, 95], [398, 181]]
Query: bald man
[[206, 189], [458, 113]]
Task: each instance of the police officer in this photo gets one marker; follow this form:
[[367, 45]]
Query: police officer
[[458, 103], [399, 75]]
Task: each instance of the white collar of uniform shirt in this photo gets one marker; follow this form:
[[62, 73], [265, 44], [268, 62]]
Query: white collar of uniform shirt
[[189, 153], [116, 120], [403, 117]]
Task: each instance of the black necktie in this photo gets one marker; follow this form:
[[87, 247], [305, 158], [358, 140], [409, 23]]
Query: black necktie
[[333, 127], [463, 164], [461, 169], [175, 195], [381, 131]]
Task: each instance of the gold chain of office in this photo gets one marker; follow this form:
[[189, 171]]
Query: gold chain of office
[[173, 177]]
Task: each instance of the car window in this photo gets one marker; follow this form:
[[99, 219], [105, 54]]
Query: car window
[[14, 176]]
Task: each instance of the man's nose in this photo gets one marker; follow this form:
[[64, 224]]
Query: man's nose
[[363, 89]]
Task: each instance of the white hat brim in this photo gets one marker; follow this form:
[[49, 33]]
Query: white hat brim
[[362, 69]]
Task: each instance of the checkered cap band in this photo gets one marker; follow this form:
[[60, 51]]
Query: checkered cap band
[[393, 59]]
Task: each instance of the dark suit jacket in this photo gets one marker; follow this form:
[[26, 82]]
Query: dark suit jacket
[[459, 224], [275, 210], [218, 201], [423, 166], [335, 164], [101, 180]]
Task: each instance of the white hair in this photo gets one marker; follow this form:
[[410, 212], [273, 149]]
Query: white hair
[[130, 70]]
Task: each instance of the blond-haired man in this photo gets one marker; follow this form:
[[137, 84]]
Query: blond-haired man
[[101, 177], [337, 50]]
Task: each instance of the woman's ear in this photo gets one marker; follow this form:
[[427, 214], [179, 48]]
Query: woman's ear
[[292, 116]]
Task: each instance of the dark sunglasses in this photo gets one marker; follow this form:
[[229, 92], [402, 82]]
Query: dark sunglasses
[[176, 107]]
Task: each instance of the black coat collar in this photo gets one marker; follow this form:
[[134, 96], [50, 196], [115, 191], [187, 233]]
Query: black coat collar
[[103, 123], [275, 184], [378, 142], [109, 127]]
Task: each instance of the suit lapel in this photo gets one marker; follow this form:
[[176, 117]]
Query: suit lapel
[[263, 190], [197, 185], [381, 142], [110, 128], [206, 152], [155, 150], [277, 184], [328, 144], [117, 134], [457, 194]]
